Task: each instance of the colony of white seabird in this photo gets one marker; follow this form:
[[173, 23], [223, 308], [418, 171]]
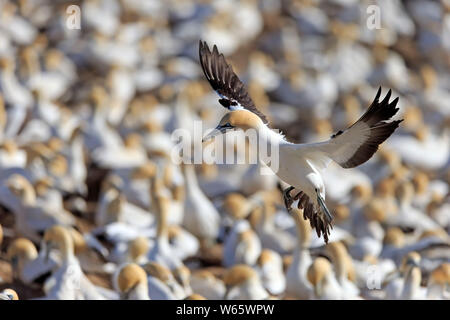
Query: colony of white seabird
[[92, 205]]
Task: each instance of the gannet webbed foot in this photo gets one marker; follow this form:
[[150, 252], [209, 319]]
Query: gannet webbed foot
[[287, 198]]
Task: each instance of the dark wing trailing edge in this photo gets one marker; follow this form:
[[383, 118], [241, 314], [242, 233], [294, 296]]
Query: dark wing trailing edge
[[318, 219], [220, 74], [360, 141]]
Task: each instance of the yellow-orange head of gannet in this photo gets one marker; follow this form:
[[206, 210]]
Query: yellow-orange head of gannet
[[362, 192], [243, 276], [238, 275], [138, 248], [412, 259], [22, 188], [303, 229], [395, 237], [59, 237], [235, 205], [438, 282], [413, 275], [317, 273], [342, 260], [183, 275], [79, 243], [20, 252], [237, 119], [9, 294], [158, 271], [132, 282]]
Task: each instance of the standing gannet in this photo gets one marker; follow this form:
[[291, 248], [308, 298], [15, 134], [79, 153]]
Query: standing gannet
[[132, 283], [270, 268], [300, 164], [28, 266], [68, 282], [207, 284], [297, 284], [345, 272], [243, 283], [405, 284], [161, 283], [439, 282], [322, 277]]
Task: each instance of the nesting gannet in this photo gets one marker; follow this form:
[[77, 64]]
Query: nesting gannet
[[28, 265], [243, 283], [248, 248], [407, 284], [182, 242], [270, 268], [161, 251], [205, 283], [271, 236], [297, 284], [67, 282], [183, 276], [322, 277], [438, 283], [345, 272], [32, 217], [132, 283], [9, 294], [91, 253], [241, 243], [408, 216], [300, 164], [161, 283], [201, 218]]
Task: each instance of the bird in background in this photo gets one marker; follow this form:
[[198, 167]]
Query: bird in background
[[300, 165]]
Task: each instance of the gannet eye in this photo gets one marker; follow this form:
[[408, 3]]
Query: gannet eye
[[10, 296], [227, 125]]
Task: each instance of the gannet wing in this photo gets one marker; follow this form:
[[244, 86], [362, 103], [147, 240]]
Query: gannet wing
[[232, 92], [358, 143]]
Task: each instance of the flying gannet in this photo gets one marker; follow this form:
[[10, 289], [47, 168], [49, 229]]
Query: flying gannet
[[300, 164]]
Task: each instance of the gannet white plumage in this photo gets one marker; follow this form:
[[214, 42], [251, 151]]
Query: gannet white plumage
[[300, 164]]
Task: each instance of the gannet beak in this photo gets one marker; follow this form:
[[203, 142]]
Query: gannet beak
[[412, 263], [46, 246], [212, 134]]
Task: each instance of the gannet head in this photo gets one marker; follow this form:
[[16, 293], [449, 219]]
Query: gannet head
[[137, 248], [239, 275], [236, 205], [341, 259], [21, 188], [21, 251], [395, 237], [158, 271], [79, 243], [9, 294], [183, 275], [441, 274], [129, 277], [303, 228], [317, 272], [58, 237], [234, 120], [411, 260]]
